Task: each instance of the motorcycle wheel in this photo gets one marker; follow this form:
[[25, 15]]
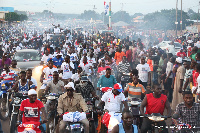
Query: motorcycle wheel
[[92, 127], [13, 127], [4, 108]]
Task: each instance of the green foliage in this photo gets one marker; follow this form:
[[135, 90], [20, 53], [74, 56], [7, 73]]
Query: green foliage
[[121, 16], [165, 20], [12, 16], [88, 14], [118, 16]]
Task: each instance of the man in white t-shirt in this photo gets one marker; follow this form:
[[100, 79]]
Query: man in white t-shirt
[[73, 57], [76, 77], [91, 59], [144, 72], [113, 99], [87, 67], [66, 69], [48, 71], [45, 57]]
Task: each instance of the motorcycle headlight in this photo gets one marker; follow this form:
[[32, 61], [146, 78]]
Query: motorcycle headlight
[[17, 100], [38, 69]]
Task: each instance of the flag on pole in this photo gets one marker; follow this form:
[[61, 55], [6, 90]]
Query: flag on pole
[[106, 7]]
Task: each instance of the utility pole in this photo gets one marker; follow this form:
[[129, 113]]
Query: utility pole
[[176, 16], [181, 17], [198, 19], [110, 15]]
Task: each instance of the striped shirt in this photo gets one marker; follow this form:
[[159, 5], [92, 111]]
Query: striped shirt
[[134, 91], [123, 67]]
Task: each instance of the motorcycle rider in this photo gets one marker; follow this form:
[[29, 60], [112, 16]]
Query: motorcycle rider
[[22, 86], [27, 107], [66, 69], [58, 60], [29, 77], [8, 74], [112, 99], [85, 88], [14, 67], [71, 102], [134, 89], [107, 80], [48, 74], [155, 103], [127, 125], [45, 57], [188, 111]]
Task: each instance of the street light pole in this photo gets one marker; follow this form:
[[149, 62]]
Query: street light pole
[[198, 19], [181, 17], [176, 16], [110, 14]]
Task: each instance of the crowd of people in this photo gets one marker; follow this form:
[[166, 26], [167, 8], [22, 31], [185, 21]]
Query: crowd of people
[[83, 65]]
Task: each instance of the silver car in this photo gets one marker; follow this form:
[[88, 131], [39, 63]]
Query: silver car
[[29, 58]]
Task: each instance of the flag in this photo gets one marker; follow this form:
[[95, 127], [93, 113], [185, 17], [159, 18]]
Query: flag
[[32, 127], [106, 7]]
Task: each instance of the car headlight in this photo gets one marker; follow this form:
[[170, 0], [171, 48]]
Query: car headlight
[[38, 69], [17, 100]]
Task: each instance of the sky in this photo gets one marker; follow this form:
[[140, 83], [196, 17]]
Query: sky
[[78, 6]]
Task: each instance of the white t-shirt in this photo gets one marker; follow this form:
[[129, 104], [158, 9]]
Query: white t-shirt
[[112, 103], [75, 77], [92, 61], [73, 57], [143, 71], [198, 84], [34, 81], [66, 71], [169, 68], [49, 72], [85, 67], [44, 58]]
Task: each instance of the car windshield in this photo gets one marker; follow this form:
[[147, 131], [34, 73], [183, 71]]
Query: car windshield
[[177, 45], [27, 56]]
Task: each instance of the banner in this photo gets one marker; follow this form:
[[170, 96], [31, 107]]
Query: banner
[[106, 7]]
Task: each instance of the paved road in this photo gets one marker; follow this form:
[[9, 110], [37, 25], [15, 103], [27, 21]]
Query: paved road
[[6, 126]]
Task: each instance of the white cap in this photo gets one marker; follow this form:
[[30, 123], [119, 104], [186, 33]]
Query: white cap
[[32, 92], [70, 84], [179, 59]]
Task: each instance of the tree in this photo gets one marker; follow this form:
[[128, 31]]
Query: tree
[[165, 20], [121, 16], [88, 14], [13, 16]]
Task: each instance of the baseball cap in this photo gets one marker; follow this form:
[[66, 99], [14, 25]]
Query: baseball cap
[[118, 87], [84, 78]]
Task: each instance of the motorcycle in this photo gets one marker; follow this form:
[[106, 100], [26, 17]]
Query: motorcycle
[[30, 127], [5, 101], [134, 107], [155, 118], [73, 125], [110, 120], [125, 79], [52, 113], [18, 98], [92, 115]]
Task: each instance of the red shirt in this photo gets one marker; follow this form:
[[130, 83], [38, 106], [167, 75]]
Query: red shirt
[[179, 54], [31, 110], [155, 105], [102, 68], [194, 77], [128, 55]]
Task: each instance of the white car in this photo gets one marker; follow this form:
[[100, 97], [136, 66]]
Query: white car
[[167, 45]]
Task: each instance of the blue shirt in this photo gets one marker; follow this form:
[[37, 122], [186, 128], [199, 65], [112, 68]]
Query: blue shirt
[[106, 82], [121, 128], [57, 62]]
